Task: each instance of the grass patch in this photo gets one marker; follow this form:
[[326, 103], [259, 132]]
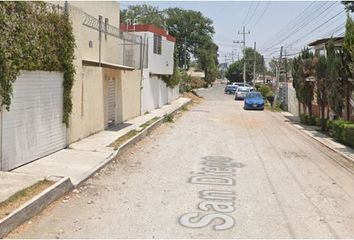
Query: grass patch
[[148, 123], [184, 108], [17, 199], [117, 143], [273, 109], [168, 118]]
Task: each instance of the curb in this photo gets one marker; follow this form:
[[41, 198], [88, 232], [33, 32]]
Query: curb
[[37, 204], [126, 145], [34, 206], [302, 130], [325, 145]]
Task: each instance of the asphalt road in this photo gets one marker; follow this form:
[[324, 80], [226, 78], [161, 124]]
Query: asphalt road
[[217, 172]]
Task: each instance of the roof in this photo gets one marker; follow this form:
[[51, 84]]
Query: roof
[[147, 28], [324, 40]]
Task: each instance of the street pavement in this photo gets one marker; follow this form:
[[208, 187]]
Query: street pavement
[[218, 171]]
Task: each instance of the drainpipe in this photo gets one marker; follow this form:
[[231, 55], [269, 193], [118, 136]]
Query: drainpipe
[[142, 56], [99, 39]]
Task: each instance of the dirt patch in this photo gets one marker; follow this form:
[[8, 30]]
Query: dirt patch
[[194, 96], [19, 198]]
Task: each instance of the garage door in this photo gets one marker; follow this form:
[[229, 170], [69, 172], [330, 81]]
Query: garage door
[[111, 102], [33, 127]]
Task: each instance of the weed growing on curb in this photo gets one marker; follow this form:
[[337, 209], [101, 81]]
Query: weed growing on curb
[[168, 118]]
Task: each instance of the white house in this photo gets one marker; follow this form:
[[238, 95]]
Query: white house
[[158, 60]]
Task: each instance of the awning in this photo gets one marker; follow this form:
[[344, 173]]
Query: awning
[[94, 63]]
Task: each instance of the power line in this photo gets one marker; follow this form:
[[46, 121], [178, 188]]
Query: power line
[[302, 25], [288, 26], [249, 8], [260, 17], [255, 9]]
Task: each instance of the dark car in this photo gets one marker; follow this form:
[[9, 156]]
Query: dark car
[[230, 89], [254, 100]]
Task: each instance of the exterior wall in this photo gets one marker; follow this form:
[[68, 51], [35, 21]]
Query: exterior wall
[[87, 116], [173, 94], [156, 93], [293, 103], [130, 94], [159, 64]]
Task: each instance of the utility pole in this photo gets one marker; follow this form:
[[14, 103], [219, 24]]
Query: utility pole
[[254, 65], [244, 51], [277, 78], [286, 66], [185, 54]]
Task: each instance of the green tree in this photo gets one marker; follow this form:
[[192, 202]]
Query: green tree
[[349, 5], [303, 67], [235, 71], [145, 14], [322, 84], [335, 81], [348, 61]]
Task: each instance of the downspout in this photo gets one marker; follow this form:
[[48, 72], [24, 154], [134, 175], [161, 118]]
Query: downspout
[[99, 39], [142, 56]]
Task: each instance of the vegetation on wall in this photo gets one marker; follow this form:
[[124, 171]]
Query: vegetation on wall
[[35, 36]]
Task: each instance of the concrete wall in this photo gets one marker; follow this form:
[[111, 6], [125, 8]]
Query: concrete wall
[[293, 103], [156, 93], [87, 116], [130, 94]]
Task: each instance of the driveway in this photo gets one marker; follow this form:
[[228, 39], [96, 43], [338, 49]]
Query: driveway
[[218, 171]]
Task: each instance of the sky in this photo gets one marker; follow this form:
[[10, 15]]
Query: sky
[[272, 24]]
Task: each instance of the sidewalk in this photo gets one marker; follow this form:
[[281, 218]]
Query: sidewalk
[[78, 162], [324, 139]]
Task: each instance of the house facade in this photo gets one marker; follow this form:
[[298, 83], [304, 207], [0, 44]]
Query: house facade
[[106, 88], [158, 62], [108, 72]]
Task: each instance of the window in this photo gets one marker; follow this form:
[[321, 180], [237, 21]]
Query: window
[[157, 44]]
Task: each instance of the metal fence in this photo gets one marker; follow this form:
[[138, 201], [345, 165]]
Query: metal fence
[[130, 47]]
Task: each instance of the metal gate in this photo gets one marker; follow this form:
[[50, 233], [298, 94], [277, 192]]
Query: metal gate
[[33, 127], [111, 101]]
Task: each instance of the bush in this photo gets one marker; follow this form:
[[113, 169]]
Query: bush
[[335, 128], [318, 121], [303, 118], [348, 134], [311, 120], [265, 90]]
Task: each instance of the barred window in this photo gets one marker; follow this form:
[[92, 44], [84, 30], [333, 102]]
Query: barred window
[[157, 44]]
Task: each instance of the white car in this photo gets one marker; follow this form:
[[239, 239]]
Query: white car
[[241, 92]]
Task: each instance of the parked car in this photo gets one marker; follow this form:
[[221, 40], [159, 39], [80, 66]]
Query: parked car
[[230, 89], [254, 100], [241, 92], [241, 84]]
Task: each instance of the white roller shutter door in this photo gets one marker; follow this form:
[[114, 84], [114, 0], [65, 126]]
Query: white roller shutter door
[[33, 127]]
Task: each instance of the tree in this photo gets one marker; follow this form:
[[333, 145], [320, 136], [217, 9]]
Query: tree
[[321, 83], [335, 82], [208, 61], [348, 60], [235, 71], [303, 68], [349, 5], [145, 14]]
